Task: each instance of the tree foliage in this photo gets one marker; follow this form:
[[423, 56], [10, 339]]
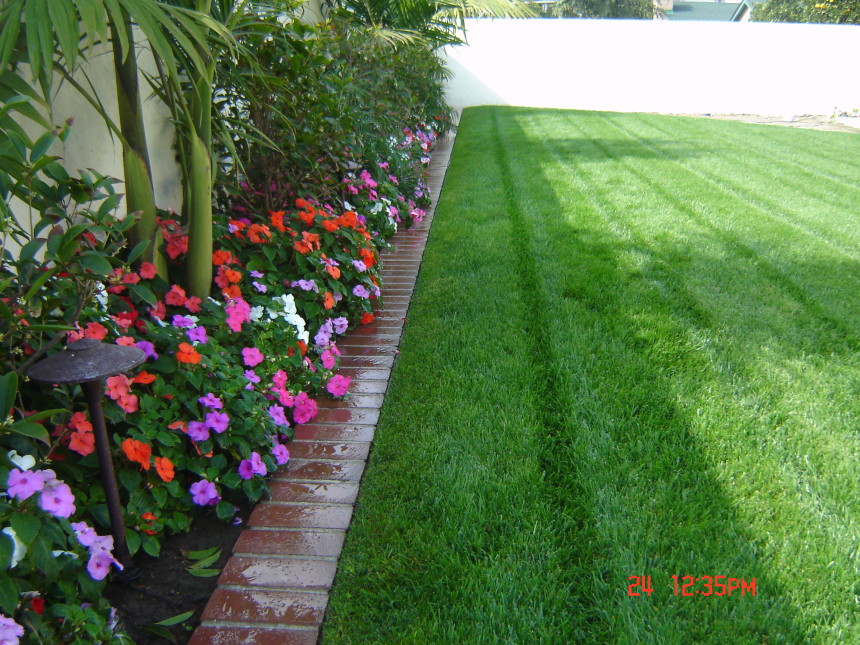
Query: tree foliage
[[603, 9], [817, 11]]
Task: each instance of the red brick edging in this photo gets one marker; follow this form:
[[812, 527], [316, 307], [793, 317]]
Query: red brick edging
[[274, 588]]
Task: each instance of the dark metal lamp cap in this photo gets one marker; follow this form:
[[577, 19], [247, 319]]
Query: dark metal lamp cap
[[86, 360]]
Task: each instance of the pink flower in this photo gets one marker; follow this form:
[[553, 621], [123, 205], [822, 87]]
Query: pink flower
[[204, 493], [252, 356], [176, 296], [192, 304], [117, 386], [217, 421], [278, 416], [304, 408], [281, 454], [253, 466], [129, 403], [238, 312], [125, 341], [328, 360], [22, 485], [211, 401], [57, 499], [198, 431], [338, 385]]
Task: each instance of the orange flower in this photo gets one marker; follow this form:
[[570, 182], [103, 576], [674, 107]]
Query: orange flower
[[82, 442], [367, 256], [236, 227], [144, 378], [220, 257], [259, 233], [150, 518], [328, 301], [307, 216], [79, 422], [330, 225], [302, 247], [277, 219], [349, 219], [232, 292], [137, 451], [232, 275], [303, 204], [333, 271], [95, 330], [303, 347], [179, 425], [308, 242], [164, 468], [187, 354]]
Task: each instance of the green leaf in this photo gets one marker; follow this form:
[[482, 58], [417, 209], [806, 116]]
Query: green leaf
[[32, 430], [201, 554], [179, 618], [130, 479], [7, 547], [225, 510], [26, 527], [144, 293], [160, 631], [8, 392], [41, 146], [204, 573], [165, 365], [44, 414], [8, 596], [132, 539], [96, 262], [138, 250], [151, 545], [30, 249], [38, 283], [160, 495]]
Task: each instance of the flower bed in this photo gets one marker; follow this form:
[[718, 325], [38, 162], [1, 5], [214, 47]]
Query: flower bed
[[211, 411]]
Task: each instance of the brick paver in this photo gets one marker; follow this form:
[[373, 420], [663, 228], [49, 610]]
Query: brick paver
[[274, 589]]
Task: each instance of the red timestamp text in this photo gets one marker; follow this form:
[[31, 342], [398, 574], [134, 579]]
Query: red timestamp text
[[696, 586]]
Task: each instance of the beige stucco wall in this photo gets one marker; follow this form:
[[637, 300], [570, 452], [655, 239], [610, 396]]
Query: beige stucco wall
[[657, 66]]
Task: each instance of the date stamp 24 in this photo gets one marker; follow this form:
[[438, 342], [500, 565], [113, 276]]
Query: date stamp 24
[[695, 586]]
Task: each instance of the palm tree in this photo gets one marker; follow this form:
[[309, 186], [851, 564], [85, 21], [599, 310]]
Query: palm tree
[[53, 37]]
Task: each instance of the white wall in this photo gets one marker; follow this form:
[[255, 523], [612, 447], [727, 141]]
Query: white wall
[[657, 66]]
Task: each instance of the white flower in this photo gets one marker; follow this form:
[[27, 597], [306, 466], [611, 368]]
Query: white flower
[[101, 295], [24, 462], [19, 549], [256, 313], [58, 553], [376, 208], [347, 206]]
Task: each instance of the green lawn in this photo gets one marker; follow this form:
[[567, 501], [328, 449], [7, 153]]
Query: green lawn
[[633, 350]]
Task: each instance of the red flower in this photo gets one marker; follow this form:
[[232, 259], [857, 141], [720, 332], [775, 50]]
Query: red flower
[[192, 304], [367, 318], [95, 331], [37, 604], [176, 296], [147, 271]]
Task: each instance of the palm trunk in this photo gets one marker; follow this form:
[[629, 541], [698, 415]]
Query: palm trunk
[[140, 195]]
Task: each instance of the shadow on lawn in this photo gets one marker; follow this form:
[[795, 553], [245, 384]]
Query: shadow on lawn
[[641, 494]]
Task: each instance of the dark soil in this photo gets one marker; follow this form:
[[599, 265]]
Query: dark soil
[[166, 589]]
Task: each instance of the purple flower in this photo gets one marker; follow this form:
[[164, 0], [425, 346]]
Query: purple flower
[[252, 356], [22, 485], [307, 285], [9, 631], [198, 431], [323, 336], [148, 349], [256, 274], [198, 334], [86, 534], [57, 499], [211, 401], [278, 416], [341, 324], [338, 385], [217, 421], [251, 375], [281, 454], [204, 493], [359, 265], [253, 466], [182, 321], [360, 291], [304, 408], [260, 287], [99, 565]]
